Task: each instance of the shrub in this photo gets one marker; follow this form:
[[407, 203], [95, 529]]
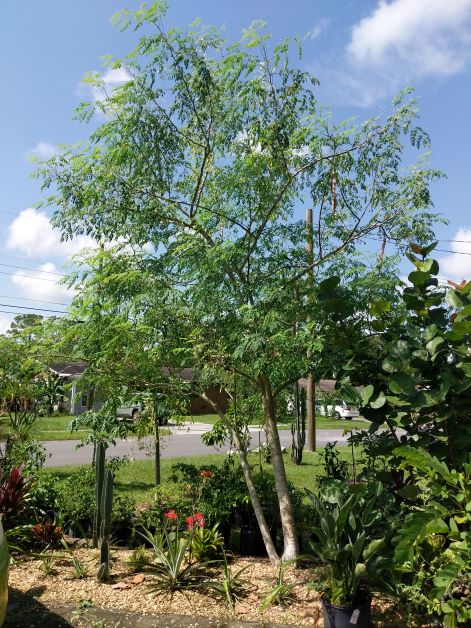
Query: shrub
[[76, 503], [41, 500], [218, 492]]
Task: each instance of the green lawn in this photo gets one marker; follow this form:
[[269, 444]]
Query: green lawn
[[50, 428], [135, 479], [322, 423]]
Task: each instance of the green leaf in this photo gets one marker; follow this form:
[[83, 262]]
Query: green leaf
[[378, 402], [366, 394], [418, 277], [430, 332], [328, 285], [401, 383], [454, 298], [434, 344], [428, 266], [421, 459], [379, 307], [400, 349], [410, 491]]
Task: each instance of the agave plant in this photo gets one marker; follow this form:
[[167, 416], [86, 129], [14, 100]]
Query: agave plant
[[171, 567], [282, 592], [230, 586]]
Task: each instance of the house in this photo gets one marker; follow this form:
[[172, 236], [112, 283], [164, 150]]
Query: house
[[77, 401]]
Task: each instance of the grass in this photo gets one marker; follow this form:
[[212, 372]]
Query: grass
[[322, 422], [50, 428], [136, 479]]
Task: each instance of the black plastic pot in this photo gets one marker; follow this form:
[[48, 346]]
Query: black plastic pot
[[358, 615], [251, 542], [224, 529]]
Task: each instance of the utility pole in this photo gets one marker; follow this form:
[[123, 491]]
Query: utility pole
[[310, 386]]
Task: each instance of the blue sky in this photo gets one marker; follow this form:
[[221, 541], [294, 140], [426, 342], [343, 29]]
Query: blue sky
[[363, 51]]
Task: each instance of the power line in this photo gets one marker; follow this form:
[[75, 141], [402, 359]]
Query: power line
[[29, 276], [20, 215], [439, 250], [49, 272], [39, 309], [454, 252], [5, 296], [12, 312]]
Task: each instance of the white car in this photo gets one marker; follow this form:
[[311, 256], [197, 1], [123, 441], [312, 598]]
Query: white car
[[341, 411]]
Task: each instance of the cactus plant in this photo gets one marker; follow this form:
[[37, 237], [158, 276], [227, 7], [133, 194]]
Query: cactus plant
[[99, 479], [298, 426], [105, 526]]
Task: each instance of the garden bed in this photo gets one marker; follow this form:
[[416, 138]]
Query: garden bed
[[129, 591]]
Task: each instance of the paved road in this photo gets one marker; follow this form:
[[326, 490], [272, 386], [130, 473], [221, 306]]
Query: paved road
[[182, 442]]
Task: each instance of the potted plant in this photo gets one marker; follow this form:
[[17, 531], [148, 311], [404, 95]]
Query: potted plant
[[348, 542]]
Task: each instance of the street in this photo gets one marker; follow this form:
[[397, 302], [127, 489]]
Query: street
[[184, 441]]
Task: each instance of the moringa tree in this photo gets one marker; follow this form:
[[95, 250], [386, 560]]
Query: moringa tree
[[202, 162]]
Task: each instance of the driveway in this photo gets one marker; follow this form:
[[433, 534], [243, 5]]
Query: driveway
[[183, 441]]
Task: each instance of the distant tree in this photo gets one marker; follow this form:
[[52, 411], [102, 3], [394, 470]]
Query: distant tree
[[200, 166]]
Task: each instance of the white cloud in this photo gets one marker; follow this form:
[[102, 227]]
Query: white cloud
[[425, 36], [5, 322], [43, 150], [41, 283], [110, 80], [114, 77], [398, 43], [31, 234], [457, 265], [318, 28]]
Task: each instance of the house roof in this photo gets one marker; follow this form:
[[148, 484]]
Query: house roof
[[68, 369], [324, 385]]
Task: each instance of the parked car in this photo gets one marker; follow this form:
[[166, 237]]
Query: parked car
[[341, 411], [128, 413], [131, 413]]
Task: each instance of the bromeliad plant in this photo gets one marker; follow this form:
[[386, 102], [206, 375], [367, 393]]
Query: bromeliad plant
[[348, 541]]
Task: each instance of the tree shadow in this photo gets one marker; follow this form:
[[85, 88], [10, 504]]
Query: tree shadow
[[25, 610]]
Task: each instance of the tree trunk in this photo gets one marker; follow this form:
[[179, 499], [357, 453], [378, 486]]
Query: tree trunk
[[157, 449], [254, 498], [290, 536]]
